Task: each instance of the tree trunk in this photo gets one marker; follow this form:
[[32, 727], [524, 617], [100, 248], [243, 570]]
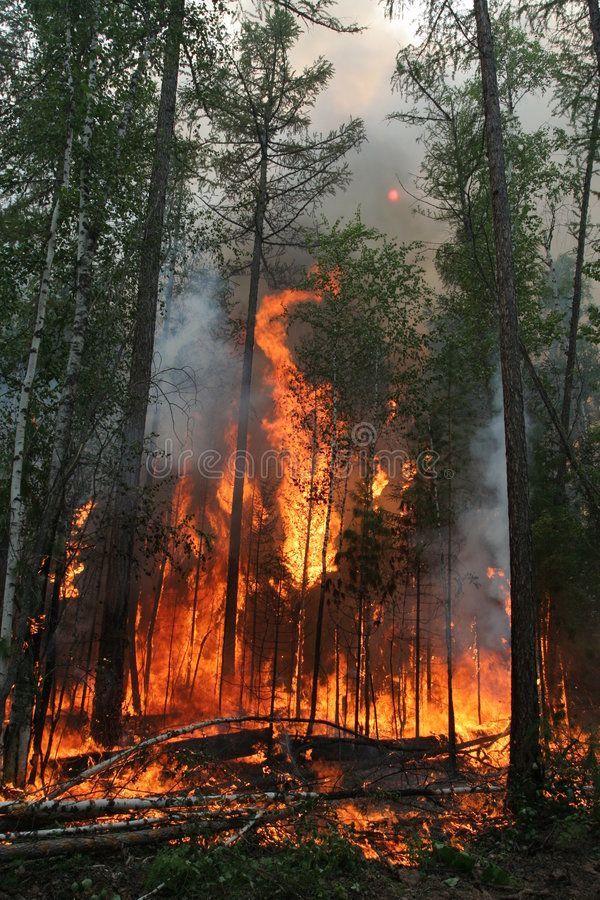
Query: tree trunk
[[418, 651], [477, 649], [525, 765], [323, 586], [255, 603], [448, 603], [594, 12], [235, 534], [108, 697], [571, 355], [304, 585], [17, 508]]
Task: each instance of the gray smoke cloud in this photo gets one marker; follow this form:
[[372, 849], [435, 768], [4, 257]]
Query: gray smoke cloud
[[483, 528]]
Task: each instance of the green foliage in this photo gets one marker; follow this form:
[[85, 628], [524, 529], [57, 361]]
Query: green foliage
[[319, 868], [363, 335], [466, 864], [262, 151], [453, 858]]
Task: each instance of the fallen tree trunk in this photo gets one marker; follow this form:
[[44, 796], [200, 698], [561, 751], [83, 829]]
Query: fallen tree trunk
[[325, 747], [128, 752], [107, 842], [223, 746], [111, 838], [229, 745], [482, 741], [105, 806], [237, 744], [70, 830]]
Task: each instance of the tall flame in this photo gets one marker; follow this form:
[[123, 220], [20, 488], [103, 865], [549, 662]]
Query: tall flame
[[294, 403]]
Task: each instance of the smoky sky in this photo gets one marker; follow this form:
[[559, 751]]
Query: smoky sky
[[361, 87]]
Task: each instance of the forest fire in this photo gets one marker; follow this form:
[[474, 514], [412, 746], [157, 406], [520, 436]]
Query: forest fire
[[304, 465], [299, 542], [375, 670]]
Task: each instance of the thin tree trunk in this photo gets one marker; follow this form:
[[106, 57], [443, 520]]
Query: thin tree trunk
[[275, 655], [571, 354], [158, 590], [448, 604], [243, 626], [134, 678], [17, 506], [108, 697], [336, 647], [323, 586], [343, 510], [359, 647], [477, 666], [418, 651], [86, 245], [304, 585], [525, 764], [255, 603], [428, 680], [235, 535], [594, 12]]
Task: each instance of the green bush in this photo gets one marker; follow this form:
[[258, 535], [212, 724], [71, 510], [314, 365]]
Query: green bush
[[330, 867]]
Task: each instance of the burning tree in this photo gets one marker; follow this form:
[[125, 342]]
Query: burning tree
[[270, 171], [361, 349]]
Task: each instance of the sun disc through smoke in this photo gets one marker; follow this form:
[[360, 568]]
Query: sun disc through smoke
[[393, 195]]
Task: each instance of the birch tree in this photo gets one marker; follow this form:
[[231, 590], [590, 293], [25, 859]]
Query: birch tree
[[17, 508]]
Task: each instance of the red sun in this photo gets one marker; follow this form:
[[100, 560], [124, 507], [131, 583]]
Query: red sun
[[393, 195]]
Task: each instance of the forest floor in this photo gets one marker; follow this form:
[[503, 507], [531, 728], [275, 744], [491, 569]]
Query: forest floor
[[544, 863], [378, 844]]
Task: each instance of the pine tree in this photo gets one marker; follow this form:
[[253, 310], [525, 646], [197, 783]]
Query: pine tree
[[270, 172]]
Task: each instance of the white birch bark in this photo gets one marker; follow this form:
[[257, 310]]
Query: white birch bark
[[86, 251], [84, 260], [17, 508]]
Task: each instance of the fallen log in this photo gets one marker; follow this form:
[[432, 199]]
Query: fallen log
[[165, 736], [228, 745], [127, 753], [483, 741], [325, 747], [80, 843], [106, 806], [113, 839], [231, 745], [70, 830]]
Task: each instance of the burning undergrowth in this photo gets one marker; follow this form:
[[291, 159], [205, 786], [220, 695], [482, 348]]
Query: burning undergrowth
[[231, 800]]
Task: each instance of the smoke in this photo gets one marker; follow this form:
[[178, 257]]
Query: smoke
[[482, 546], [361, 88], [196, 372]]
